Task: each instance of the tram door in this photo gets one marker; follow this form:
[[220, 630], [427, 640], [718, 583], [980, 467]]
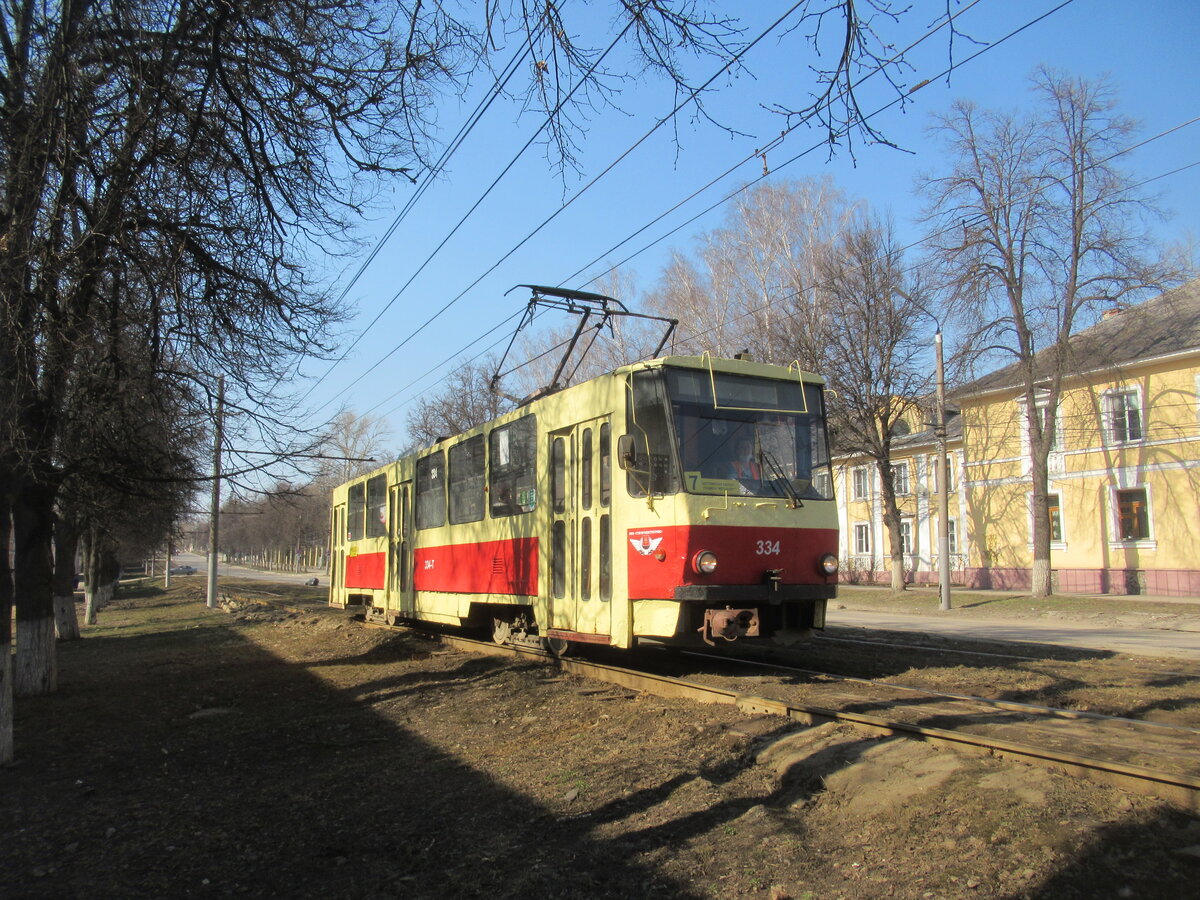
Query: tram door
[[580, 548], [400, 550]]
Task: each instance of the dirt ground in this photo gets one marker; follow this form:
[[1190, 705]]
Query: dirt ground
[[253, 751]]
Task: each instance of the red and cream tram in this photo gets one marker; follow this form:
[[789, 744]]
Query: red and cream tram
[[682, 499]]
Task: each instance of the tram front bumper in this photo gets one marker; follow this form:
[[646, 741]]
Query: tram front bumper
[[741, 594]]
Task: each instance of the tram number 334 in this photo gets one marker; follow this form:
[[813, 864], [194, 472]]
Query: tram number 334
[[767, 548]]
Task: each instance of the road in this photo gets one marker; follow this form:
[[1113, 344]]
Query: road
[[1133, 641], [200, 563]]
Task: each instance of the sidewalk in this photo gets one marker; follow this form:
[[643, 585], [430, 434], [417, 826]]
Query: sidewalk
[[1138, 625]]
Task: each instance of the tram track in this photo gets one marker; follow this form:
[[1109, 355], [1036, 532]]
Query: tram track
[[1181, 789]]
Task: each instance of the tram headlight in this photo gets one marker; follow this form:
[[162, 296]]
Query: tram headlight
[[704, 562], [829, 564]]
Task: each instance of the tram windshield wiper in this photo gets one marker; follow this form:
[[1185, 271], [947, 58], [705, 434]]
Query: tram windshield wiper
[[779, 476]]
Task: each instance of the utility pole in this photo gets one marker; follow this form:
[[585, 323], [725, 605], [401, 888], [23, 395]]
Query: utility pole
[[215, 514], [943, 479]]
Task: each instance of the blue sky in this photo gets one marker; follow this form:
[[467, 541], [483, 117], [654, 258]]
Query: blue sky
[[1146, 49]]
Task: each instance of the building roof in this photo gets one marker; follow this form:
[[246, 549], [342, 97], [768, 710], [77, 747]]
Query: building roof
[[1166, 325]]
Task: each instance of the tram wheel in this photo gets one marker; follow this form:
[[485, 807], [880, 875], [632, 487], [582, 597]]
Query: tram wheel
[[557, 646], [501, 630]]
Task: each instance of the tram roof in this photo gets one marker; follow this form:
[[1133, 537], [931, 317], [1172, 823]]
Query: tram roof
[[729, 366]]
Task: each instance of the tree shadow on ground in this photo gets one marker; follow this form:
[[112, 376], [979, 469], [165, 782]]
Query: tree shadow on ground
[[243, 774]]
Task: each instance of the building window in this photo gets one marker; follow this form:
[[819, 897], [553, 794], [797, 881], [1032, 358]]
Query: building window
[[933, 473], [1054, 511], [951, 538], [823, 484], [900, 478], [1133, 515], [906, 537], [1123, 412], [862, 538], [862, 483]]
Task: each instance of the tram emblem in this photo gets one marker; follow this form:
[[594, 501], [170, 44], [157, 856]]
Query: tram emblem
[[645, 545]]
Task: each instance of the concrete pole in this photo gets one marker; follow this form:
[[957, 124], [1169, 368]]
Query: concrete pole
[[215, 514], [943, 479]]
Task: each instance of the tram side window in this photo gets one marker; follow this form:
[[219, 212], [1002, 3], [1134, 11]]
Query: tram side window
[[377, 506], [431, 490], [512, 472], [656, 471], [605, 464], [466, 481], [356, 511]]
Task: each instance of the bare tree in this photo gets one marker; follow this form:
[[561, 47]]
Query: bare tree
[[754, 272], [1038, 228], [863, 333], [356, 444], [465, 399]]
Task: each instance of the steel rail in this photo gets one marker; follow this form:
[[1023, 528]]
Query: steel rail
[[1179, 790], [1007, 705]]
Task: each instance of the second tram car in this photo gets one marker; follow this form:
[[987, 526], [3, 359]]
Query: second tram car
[[683, 500]]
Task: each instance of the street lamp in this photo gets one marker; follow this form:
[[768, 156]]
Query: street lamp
[[943, 462]]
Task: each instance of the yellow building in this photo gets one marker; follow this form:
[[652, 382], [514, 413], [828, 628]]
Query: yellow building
[[865, 548], [1124, 470]]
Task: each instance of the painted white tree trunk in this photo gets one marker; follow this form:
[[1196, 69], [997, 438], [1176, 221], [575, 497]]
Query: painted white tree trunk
[[66, 622], [1040, 578], [37, 661], [96, 599]]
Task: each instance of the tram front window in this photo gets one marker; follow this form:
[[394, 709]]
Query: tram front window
[[755, 437]]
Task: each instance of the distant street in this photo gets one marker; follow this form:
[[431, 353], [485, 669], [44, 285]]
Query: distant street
[[200, 563]]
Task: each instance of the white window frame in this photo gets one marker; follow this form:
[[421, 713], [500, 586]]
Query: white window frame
[[860, 531], [932, 465], [907, 537], [904, 489], [935, 539], [1059, 543], [1113, 413], [860, 491], [1149, 542]]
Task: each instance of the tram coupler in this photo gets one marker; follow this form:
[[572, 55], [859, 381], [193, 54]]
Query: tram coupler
[[729, 624]]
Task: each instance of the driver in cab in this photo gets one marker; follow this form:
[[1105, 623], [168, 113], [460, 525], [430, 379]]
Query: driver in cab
[[744, 466]]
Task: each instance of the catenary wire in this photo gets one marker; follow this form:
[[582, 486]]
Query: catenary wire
[[478, 202], [547, 221]]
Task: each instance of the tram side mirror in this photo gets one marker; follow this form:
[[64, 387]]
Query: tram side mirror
[[626, 452]]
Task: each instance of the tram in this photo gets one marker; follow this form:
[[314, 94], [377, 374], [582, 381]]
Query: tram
[[682, 500]]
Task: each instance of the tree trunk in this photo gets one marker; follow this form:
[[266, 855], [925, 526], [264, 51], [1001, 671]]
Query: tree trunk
[[6, 663], [1040, 580], [891, 521], [103, 576], [66, 542], [36, 669]]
